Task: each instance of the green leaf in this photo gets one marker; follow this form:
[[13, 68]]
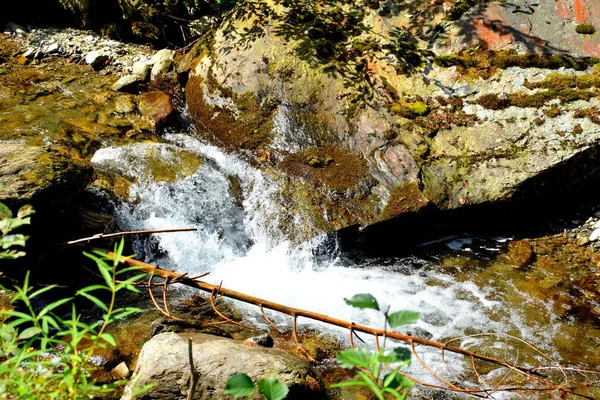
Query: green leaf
[[239, 385], [397, 395], [94, 300], [54, 305], [394, 380], [371, 384], [30, 332], [272, 389], [360, 357], [396, 355], [349, 383], [108, 339], [5, 211], [402, 318], [42, 290], [25, 211], [12, 240], [363, 300]]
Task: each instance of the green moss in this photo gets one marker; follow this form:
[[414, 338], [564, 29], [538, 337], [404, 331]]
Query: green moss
[[492, 102], [250, 129], [535, 100], [552, 112], [558, 81], [332, 166], [593, 114], [483, 62], [585, 29], [458, 9], [410, 109], [404, 198]]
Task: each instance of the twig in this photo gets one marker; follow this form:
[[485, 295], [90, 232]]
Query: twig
[[109, 235], [194, 374]]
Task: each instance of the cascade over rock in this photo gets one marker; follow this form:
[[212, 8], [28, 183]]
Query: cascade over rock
[[349, 120]]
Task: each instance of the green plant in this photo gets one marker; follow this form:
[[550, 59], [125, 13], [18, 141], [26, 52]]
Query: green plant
[[45, 356], [369, 363], [241, 385], [7, 225]]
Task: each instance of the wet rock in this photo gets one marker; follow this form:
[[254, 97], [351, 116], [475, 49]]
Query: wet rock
[[520, 253], [141, 69], [34, 175], [15, 29], [156, 106], [264, 340], [163, 361], [125, 104], [127, 82], [426, 126], [96, 58], [161, 62]]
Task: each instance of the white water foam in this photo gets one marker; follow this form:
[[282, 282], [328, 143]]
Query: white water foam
[[241, 246]]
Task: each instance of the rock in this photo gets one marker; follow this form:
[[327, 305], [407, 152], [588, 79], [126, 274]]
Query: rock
[[156, 106], [34, 175], [125, 104], [52, 48], [127, 82], [161, 62], [595, 235], [163, 362], [13, 28], [96, 58], [141, 69], [264, 340], [270, 95]]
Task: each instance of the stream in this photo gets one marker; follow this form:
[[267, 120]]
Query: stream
[[239, 241], [459, 285]]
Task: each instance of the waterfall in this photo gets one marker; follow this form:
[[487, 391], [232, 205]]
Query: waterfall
[[239, 241]]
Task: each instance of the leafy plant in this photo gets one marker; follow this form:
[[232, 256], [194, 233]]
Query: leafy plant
[[7, 225], [241, 385], [369, 363], [43, 355]]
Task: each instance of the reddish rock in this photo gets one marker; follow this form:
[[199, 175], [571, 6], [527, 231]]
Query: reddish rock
[[156, 107]]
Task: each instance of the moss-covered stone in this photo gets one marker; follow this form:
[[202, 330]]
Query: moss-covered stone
[[246, 124], [404, 198], [331, 166], [484, 62], [536, 100]]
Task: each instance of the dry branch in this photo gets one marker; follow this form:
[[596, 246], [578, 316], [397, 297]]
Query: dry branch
[[109, 235]]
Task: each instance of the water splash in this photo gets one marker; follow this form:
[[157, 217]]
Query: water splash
[[239, 242]]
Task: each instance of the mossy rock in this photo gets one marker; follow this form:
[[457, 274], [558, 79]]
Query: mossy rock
[[38, 176], [404, 198]]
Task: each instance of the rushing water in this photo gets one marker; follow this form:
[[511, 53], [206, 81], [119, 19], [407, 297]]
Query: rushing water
[[239, 241]]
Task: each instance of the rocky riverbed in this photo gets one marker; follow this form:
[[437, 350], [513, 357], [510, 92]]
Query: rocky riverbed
[[438, 140]]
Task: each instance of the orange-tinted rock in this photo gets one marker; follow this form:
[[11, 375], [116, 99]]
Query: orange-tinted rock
[[156, 107], [520, 253]]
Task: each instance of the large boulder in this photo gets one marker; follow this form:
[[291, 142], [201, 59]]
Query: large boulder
[[37, 176], [356, 116], [164, 362]]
